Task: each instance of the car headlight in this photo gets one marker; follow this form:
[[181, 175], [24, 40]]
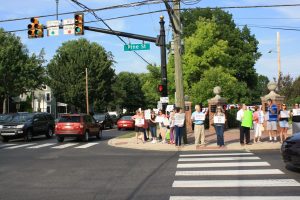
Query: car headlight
[[20, 126]]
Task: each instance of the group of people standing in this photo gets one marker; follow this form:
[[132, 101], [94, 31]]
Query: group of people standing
[[268, 120], [170, 126]]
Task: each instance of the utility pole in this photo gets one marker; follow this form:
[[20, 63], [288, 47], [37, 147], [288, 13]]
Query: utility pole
[[278, 60], [87, 91], [177, 59]]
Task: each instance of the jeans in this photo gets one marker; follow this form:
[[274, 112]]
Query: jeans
[[178, 134], [245, 133], [153, 131], [220, 135], [172, 133]]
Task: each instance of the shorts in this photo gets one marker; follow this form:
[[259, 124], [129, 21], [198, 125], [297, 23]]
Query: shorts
[[271, 125], [139, 129], [284, 124]]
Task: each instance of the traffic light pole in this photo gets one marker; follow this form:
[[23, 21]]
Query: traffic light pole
[[160, 40]]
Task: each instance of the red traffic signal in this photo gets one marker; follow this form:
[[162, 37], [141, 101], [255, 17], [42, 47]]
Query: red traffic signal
[[160, 88]]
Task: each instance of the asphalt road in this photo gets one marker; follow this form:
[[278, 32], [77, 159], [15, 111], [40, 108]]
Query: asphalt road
[[46, 170]]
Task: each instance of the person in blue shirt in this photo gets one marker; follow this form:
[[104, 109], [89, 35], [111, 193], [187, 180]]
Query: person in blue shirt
[[272, 120], [198, 118]]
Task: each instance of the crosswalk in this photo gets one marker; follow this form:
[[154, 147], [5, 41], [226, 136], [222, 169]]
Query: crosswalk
[[221, 171], [57, 146]]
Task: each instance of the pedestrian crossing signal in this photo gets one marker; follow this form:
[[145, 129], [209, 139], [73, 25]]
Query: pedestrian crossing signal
[[160, 88], [35, 29], [79, 23]]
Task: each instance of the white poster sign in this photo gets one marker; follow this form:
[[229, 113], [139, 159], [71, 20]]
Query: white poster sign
[[296, 112], [68, 26], [284, 114], [164, 99], [170, 108], [147, 114], [179, 119], [159, 119], [166, 122], [139, 122], [200, 116], [219, 119]]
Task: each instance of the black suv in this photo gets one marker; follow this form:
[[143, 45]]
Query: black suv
[[27, 125], [104, 120]]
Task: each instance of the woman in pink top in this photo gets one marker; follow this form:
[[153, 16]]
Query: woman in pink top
[[139, 126], [258, 120]]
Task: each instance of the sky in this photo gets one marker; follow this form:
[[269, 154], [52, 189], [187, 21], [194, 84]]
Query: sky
[[285, 17]]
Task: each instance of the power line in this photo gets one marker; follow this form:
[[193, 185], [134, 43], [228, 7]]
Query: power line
[[270, 27]]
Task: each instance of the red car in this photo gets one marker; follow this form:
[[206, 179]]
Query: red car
[[125, 122], [81, 126]]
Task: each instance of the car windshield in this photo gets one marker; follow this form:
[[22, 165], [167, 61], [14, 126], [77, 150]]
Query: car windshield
[[99, 117], [21, 117], [69, 119], [126, 118], [5, 118]]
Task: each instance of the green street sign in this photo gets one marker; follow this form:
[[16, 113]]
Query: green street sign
[[136, 47]]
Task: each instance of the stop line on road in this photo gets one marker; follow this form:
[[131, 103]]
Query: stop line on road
[[210, 168], [49, 145]]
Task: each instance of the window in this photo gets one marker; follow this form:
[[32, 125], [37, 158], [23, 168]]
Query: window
[[48, 96], [48, 109]]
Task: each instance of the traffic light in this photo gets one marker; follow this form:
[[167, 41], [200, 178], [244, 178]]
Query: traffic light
[[160, 88], [79, 23], [35, 29]]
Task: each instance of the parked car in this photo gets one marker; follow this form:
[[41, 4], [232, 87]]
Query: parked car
[[27, 125], [81, 126], [114, 118], [290, 151], [125, 122], [104, 120]]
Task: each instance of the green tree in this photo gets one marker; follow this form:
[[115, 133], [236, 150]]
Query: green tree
[[242, 46], [66, 73], [233, 90], [131, 84], [19, 71], [286, 86], [150, 81], [260, 90]]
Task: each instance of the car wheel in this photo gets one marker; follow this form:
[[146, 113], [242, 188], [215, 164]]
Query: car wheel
[[28, 136], [86, 136], [119, 129], [99, 134], [5, 139], [49, 133], [60, 139]]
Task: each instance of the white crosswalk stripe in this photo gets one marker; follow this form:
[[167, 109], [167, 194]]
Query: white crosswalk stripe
[[6, 145], [237, 183], [229, 172], [223, 164], [209, 177], [217, 159], [20, 146], [63, 146], [41, 146], [234, 197], [86, 145], [215, 154]]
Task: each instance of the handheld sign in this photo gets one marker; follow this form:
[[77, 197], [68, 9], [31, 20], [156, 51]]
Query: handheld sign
[[139, 122], [219, 119], [284, 114], [147, 114], [166, 122], [159, 119], [200, 116], [179, 119], [296, 112]]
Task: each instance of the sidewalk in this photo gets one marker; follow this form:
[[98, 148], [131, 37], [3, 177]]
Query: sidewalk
[[231, 137]]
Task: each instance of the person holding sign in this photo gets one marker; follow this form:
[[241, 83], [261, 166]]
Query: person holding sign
[[152, 126], [198, 118], [258, 120], [283, 122], [219, 124], [296, 119], [139, 123], [179, 118], [162, 119], [272, 120], [247, 122]]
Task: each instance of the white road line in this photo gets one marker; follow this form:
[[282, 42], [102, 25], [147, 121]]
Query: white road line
[[86, 146], [6, 145], [230, 164], [217, 159], [229, 172], [215, 154], [41, 146], [237, 183], [19, 146], [234, 197], [64, 146]]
